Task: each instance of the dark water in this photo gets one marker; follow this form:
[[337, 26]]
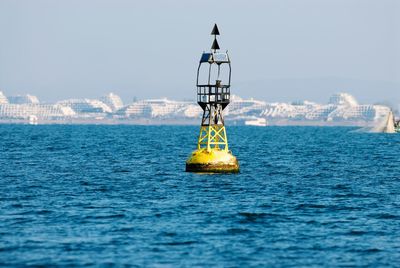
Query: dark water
[[116, 195]]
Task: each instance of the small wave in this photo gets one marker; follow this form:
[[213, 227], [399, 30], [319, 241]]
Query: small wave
[[44, 212], [356, 233], [177, 243], [113, 216], [372, 250], [305, 206], [121, 170], [352, 195], [367, 250], [10, 248], [169, 234], [234, 231], [385, 216], [345, 208], [254, 216], [126, 229], [341, 187]]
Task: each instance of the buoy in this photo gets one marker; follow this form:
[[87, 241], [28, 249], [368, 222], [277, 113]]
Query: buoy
[[213, 96]]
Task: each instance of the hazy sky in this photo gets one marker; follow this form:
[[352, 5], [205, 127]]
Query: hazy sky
[[281, 50]]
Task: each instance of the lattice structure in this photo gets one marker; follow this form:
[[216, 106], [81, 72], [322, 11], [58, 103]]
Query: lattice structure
[[212, 130]]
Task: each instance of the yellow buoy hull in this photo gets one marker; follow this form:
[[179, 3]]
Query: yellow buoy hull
[[214, 161]]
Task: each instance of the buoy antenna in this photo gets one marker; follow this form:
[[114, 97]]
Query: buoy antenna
[[215, 32], [215, 45]]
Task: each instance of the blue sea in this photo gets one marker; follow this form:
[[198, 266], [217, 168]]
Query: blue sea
[[94, 195]]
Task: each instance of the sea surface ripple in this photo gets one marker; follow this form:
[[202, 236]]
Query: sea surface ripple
[[83, 195]]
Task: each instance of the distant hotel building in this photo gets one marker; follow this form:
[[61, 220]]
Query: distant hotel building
[[3, 98], [113, 101], [23, 99], [160, 108], [28, 107], [86, 106]]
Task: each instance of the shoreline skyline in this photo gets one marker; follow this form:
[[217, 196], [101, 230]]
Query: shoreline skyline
[[340, 109]]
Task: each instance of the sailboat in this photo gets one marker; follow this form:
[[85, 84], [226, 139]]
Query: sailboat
[[390, 122], [386, 124], [392, 125]]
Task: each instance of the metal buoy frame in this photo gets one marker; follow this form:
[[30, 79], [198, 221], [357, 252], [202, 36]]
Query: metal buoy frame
[[213, 96]]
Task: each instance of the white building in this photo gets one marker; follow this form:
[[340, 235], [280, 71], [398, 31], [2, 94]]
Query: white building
[[40, 111], [160, 108], [113, 101], [3, 98], [343, 99], [239, 106], [26, 107], [86, 106], [23, 99]]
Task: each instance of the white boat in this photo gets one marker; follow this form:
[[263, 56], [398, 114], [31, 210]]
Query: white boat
[[259, 122]]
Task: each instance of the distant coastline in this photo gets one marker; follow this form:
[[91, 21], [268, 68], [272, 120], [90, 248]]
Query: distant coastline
[[342, 109], [178, 123]]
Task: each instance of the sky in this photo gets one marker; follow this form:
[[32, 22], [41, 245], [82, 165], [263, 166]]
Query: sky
[[281, 50]]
